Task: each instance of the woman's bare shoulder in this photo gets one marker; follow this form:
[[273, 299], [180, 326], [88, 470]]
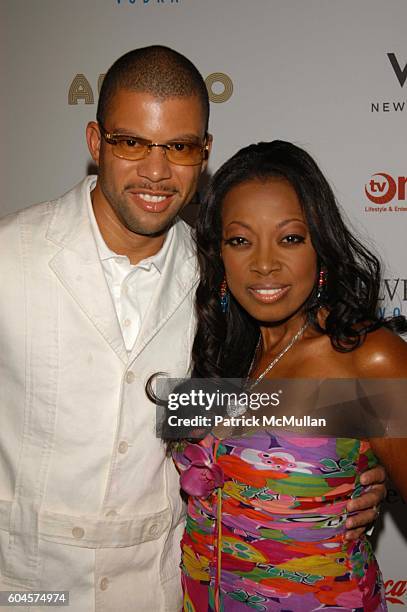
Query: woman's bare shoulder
[[383, 354]]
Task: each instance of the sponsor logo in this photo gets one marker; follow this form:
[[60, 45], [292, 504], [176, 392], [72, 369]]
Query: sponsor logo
[[395, 591], [218, 84], [382, 189], [400, 73], [388, 107], [392, 106], [393, 296]]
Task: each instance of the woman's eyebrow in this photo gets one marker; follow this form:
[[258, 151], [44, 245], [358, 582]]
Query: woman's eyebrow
[[286, 221]]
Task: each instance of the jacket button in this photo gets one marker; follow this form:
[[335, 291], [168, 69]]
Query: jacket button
[[123, 447], [111, 513], [104, 583], [78, 533], [130, 377], [154, 529]]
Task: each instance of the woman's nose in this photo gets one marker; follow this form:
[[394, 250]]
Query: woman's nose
[[265, 261]]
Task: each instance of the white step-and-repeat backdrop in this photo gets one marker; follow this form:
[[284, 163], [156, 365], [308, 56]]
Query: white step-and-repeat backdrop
[[329, 75]]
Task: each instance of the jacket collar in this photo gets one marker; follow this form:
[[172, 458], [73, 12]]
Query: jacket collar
[[69, 227], [78, 267]]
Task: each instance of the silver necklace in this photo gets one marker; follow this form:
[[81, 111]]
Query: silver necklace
[[276, 359], [236, 409]]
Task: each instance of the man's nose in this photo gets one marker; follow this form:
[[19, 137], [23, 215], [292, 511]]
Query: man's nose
[[155, 166]]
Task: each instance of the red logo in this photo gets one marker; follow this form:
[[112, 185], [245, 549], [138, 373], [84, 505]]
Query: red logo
[[395, 590], [382, 188]]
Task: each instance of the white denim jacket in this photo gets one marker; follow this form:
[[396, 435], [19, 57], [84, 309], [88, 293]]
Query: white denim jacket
[[88, 501]]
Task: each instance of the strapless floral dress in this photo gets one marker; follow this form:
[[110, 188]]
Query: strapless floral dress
[[265, 529]]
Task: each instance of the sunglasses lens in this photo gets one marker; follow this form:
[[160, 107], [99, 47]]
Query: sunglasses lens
[[180, 153], [130, 149], [187, 154]]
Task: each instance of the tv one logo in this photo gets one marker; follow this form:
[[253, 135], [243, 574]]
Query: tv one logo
[[382, 188]]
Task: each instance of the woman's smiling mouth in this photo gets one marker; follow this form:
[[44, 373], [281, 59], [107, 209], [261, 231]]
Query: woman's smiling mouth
[[268, 293]]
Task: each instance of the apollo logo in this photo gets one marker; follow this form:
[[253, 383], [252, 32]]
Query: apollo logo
[[218, 84], [395, 590], [383, 188]]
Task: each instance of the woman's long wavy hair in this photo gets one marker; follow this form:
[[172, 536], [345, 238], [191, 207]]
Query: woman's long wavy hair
[[225, 343]]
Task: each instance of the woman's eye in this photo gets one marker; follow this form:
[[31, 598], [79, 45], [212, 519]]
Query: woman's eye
[[293, 239], [236, 241]]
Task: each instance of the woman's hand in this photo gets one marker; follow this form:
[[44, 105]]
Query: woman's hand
[[367, 505]]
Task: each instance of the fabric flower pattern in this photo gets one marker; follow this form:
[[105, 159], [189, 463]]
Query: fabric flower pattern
[[283, 512], [201, 476], [275, 460]]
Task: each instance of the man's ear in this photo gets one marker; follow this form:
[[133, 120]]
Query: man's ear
[[208, 148], [93, 138]]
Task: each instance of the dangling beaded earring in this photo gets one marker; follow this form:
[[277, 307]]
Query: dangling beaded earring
[[224, 296], [322, 285]]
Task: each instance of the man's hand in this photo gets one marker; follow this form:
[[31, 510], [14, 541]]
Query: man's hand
[[367, 505]]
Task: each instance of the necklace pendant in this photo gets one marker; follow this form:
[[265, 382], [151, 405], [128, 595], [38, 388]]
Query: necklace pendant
[[236, 408]]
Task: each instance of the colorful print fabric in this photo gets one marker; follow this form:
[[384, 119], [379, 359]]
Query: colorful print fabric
[[281, 544]]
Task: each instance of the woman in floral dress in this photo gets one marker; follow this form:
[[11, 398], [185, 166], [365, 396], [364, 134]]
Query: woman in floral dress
[[286, 292]]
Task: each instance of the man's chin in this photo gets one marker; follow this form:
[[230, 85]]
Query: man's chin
[[152, 231]]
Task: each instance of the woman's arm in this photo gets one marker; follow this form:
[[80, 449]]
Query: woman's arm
[[392, 453], [384, 356]]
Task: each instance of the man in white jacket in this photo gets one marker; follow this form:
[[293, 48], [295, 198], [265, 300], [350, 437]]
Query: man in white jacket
[[97, 295]]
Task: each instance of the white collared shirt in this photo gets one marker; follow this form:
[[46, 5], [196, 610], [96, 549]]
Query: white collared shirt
[[131, 286]]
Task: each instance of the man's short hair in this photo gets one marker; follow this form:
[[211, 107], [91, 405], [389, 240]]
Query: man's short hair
[[157, 70]]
